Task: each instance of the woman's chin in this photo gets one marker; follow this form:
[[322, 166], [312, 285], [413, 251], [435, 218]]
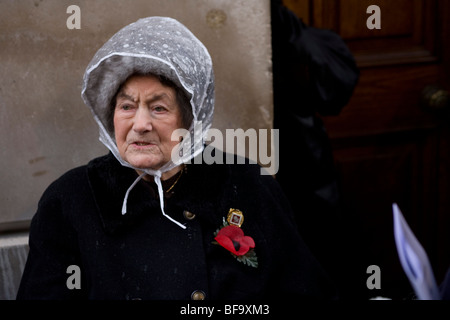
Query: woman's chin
[[145, 162]]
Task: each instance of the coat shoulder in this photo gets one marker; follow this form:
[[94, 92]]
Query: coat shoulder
[[71, 182]]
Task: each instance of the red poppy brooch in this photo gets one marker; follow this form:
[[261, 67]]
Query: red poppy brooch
[[231, 237]]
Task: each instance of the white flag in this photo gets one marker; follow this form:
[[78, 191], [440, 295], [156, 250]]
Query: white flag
[[414, 259]]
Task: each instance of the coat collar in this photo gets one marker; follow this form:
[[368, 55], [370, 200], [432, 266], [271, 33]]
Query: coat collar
[[201, 190]]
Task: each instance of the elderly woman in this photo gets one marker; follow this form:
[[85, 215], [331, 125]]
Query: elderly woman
[[140, 223]]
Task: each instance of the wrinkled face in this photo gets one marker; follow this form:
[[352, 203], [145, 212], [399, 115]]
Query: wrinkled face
[[145, 115]]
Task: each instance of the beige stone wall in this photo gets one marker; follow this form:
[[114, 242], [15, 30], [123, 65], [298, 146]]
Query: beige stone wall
[[45, 129], [13, 256]]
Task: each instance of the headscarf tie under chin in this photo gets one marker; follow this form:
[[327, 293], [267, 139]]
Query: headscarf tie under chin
[[161, 198]]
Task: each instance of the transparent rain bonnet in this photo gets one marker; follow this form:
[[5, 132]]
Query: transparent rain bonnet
[[160, 46]]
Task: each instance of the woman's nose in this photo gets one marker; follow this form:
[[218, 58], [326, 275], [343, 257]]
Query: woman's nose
[[142, 120]]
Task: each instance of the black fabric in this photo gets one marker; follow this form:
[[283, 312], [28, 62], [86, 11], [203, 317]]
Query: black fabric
[[314, 74], [445, 287], [314, 71], [144, 255]]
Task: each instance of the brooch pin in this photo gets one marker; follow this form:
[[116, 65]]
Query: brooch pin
[[231, 237], [235, 217]]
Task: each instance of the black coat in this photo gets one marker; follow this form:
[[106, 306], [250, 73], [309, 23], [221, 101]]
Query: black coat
[[144, 255]]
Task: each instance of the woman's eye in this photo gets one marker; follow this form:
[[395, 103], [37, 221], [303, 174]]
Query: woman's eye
[[159, 109], [126, 107]]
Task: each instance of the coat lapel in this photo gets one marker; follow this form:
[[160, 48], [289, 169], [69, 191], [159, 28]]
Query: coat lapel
[[204, 190], [109, 181]]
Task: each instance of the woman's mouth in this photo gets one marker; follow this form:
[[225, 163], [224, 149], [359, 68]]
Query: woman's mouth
[[142, 144]]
